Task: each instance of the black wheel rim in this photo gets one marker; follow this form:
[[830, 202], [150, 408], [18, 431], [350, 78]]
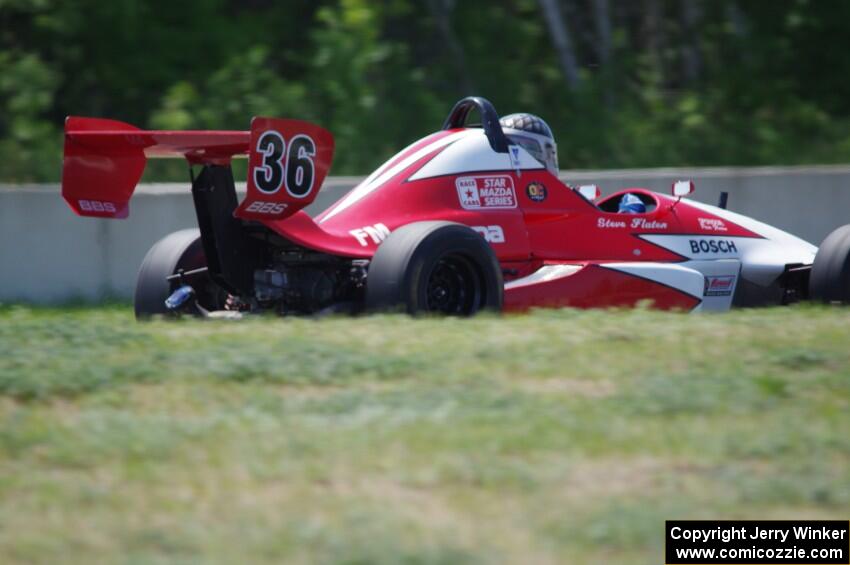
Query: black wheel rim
[[454, 287]]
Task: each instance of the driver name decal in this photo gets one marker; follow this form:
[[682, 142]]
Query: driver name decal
[[489, 192], [634, 223]]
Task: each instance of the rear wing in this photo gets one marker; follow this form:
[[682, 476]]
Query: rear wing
[[104, 160]]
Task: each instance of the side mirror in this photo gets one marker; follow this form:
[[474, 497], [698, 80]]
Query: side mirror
[[590, 191], [683, 188]]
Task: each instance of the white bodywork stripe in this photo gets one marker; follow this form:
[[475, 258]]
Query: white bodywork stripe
[[732, 247], [683, 279], [763, 260], [764, 230], [383, 174], [471, 154], [675, 276], [545, 274]]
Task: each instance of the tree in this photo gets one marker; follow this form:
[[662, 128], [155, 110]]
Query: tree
[[442, 12], [602, 20], [561, 41], [691, 58]]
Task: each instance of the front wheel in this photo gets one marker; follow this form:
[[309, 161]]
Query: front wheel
[[434, 267], [181, 250], [830, 277]]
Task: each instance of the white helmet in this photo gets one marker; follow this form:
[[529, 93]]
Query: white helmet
[[533, 134]]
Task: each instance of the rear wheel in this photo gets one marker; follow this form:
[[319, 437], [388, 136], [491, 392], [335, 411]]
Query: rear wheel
[[434, 267], [830, 277], [179, 251]]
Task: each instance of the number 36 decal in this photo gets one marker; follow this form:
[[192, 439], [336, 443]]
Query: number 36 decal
[[289, 165]]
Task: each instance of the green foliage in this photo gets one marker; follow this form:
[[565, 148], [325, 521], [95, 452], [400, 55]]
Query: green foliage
[[769, 85], [30, 148], [244, 86]]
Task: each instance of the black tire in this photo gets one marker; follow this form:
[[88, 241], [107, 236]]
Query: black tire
[[179, 250], [434, 267], [830, 277]]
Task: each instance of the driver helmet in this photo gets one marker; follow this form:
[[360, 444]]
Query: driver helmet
[[631, 204], [533, 134]]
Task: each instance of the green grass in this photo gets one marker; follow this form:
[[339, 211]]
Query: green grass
[[556, 437]]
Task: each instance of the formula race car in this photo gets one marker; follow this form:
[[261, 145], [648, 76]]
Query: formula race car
[[471, 217]]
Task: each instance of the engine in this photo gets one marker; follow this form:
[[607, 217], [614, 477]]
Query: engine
[[305, 283]]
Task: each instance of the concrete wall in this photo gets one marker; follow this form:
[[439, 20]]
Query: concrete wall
[[47, 254]]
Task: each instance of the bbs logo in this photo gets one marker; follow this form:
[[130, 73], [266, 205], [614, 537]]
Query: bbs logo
[[270, 208], [97, 206]]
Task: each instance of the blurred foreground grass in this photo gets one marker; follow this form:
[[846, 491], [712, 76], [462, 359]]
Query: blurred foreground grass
[[550, 438]]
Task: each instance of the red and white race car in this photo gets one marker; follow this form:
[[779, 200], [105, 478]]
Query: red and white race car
[[467, 218]]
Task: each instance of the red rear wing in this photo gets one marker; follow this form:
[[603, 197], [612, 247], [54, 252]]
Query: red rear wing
[[104, 160]]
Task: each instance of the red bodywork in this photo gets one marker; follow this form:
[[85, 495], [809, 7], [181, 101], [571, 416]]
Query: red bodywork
[[532, 219]]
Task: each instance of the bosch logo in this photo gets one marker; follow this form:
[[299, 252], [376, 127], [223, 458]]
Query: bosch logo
[[713, 246]]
